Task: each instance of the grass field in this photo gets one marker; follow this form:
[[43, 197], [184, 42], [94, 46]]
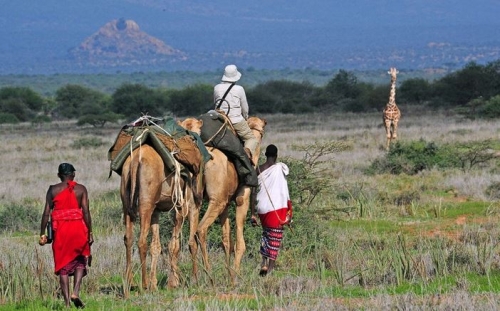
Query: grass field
[[427, 241]]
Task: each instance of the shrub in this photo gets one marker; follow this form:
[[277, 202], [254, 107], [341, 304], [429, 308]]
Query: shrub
[[415, 156], [17, 217], [493, 190], [8, 118], [86, 142], [41, 119]]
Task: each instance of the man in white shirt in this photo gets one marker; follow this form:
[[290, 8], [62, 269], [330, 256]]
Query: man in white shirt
[[231, 99], [273, 206]]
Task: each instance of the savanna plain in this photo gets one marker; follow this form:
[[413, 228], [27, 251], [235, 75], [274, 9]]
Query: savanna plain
[[360, 240]]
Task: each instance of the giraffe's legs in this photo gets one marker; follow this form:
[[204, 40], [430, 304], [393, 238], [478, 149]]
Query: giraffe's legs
[[395, 129], [387, 124]]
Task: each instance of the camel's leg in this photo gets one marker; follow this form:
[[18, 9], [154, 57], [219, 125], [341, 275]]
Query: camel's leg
[[226, 239], [194, 218], [128, 240], [214, 209], [174, 247], [155, 249], [242, 205], [146, 211]]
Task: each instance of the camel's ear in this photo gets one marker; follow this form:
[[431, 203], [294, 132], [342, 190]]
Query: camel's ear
[[200, 122], [179, 122]]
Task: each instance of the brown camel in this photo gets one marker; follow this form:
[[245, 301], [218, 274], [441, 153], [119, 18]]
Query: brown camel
[[148, 188], [222, 187]]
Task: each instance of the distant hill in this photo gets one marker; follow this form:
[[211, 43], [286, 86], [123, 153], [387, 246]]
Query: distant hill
[[325, 35], [121, 42]]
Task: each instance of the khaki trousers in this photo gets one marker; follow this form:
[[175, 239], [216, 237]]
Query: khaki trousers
[[245, 133]]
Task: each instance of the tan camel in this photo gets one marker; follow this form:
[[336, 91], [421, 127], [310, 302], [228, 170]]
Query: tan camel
[[222, 187], [391, 113], [148, 188]]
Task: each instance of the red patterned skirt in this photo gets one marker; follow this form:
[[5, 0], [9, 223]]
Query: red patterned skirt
[[271, 242]]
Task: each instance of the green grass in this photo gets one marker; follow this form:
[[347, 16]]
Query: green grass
[[366, 241]]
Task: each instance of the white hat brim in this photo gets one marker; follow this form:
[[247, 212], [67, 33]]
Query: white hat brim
[[232, 79]]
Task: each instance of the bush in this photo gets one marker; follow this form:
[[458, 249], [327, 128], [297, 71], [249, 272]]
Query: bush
[[86, 142], [415, 156], [8, 118], [20, 218], [41, 119]]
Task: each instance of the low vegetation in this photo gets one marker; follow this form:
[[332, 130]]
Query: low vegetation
[[412, 228], [472, 91]]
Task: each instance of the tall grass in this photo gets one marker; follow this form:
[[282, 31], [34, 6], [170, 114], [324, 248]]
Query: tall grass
[[428, 241]]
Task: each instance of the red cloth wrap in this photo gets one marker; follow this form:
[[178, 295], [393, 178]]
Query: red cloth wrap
[[70, 230]]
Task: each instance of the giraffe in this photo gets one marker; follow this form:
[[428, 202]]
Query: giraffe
[[391, 112]]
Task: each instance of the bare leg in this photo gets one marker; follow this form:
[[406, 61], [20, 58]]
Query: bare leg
[[271, 266], [64, 282], [77, 281], [264, 266]]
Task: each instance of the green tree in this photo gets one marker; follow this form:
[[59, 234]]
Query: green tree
[[191, 101], [22, 102], [491, 108], [415, 91], [73, 101], [134, 100], [473, 81], [343, 85], [281, 97]]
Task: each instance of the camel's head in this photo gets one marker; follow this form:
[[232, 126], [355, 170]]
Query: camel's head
[[191, 124], [257, 124]]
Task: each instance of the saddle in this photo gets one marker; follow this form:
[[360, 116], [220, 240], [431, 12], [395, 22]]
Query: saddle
[[217, 132], [174, 143]]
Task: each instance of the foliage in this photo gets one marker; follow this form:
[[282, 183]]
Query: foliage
[[311, 175], [99, 120], [74, 101], [471, 90], [32, 100], [135, 100], [415, 91], [87, 142], [19, 217], [6, 117], [281, 97], [41, 119], [22, 102], [191, 101], [415, 156]]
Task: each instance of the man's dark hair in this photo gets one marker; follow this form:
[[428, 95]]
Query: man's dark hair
[[271, 151], [65, 169]]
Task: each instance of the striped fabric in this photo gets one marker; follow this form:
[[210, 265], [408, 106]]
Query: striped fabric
[[271, 242]]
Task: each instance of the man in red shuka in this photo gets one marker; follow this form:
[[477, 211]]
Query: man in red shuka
[[68, 204]]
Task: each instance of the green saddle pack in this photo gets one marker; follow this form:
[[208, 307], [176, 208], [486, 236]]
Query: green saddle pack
[[172, 142]]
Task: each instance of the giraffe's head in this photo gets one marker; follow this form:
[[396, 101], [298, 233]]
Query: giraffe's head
[[393, 72]]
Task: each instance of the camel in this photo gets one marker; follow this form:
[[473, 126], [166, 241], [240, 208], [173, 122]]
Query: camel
[[148, 188], [222, 187]]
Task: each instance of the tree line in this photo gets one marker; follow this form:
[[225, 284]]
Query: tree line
[[473, 91]]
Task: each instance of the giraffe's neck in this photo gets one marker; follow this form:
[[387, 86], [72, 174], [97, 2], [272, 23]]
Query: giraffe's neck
[[392, 94]]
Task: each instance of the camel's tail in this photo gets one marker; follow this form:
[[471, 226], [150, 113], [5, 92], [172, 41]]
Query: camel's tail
[[133, 191]]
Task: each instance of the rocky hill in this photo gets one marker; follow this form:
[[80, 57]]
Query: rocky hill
[[121, 42]]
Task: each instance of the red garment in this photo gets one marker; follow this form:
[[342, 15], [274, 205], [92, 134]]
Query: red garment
[[274, 219], [70, 230], [277, 218]]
